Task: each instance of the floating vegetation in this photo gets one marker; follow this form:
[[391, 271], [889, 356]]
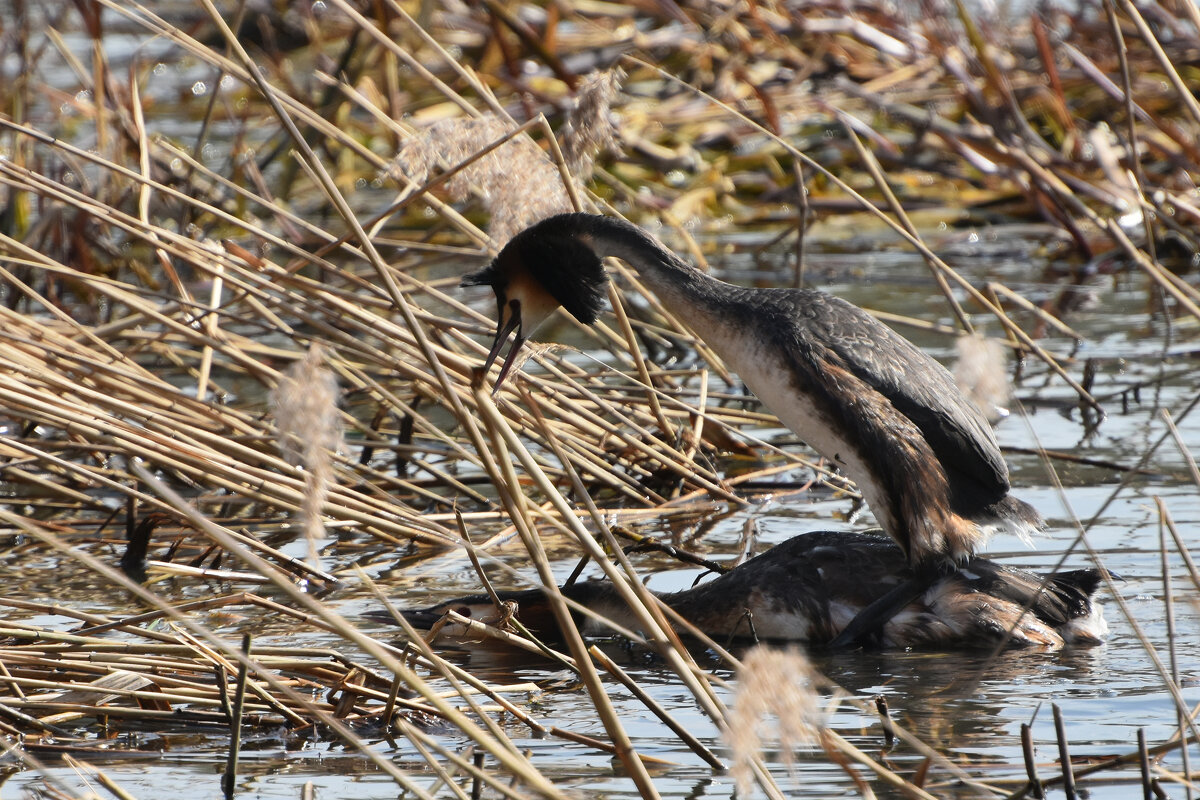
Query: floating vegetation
[[203, 205]]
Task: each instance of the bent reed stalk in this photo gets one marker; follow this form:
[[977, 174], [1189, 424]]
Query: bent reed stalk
[[154, 294]]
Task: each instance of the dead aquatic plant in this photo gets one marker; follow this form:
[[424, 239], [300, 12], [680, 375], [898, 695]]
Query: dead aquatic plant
[[590, 129], [305, 406], [980, 371], [773, 683], [517, 182], [104, 343], [181, 683]]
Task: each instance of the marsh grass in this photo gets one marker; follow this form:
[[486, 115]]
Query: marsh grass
[[155, 294]]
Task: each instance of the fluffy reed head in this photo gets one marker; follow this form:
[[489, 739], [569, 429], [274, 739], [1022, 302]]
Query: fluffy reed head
[[590, 129], [305, 406], [516, 182], [982, 374], [771, 682]]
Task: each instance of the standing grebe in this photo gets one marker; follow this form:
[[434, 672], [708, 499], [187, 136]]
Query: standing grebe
[[889, 416]]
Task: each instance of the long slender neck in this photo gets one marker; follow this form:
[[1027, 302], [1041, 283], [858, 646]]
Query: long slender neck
[[681, 287]]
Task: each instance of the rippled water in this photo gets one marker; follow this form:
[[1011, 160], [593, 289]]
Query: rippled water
[[967, 706]]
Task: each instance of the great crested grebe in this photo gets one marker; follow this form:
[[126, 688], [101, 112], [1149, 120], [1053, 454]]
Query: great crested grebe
[[889, 416], [811, 587], [862, 396]]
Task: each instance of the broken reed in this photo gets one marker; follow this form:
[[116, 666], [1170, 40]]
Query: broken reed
[[225, 276]]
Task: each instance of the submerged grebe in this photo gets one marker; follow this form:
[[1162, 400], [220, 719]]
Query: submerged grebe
[[810, 587], [889, 416]]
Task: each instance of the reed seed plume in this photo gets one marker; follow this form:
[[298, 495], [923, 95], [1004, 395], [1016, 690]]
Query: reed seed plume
[[166, 225], [517, 183], [981, 372], [771, 682], [306, 414], [590, 129]]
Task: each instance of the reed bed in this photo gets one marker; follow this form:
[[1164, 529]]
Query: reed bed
[[180, 285]]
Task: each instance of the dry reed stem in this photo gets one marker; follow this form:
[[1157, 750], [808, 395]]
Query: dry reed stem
[[504, 439], [232, 653], [1169, 684], [685, 736], [897, 209], [451, 670], [88, 391], [458, 678], [995, 289]]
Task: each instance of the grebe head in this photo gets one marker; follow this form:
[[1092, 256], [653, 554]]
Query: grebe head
[[540, 269]]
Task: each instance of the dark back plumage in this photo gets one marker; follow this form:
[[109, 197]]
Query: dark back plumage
[[810, 587], [855, 390]]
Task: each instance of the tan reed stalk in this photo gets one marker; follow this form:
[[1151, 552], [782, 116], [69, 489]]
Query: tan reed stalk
[[884, 188], [1165, 523], [164, 568], [1081, 538], [175, 194], [405, 56], [644, 441], [614, 299], [450, 676], [101, 777], [327, 184], [694, 744], [416, 735], [144, 195], [212, 468], [442, 665], [211, 320], [154, 419], [518, 766], [668, 456], [1181, 88], [504, 439], [1049, 319], [13, 750], [641, 602], [675, 324]]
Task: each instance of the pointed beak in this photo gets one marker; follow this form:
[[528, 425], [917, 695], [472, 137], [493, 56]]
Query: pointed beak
[[512, 327]]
